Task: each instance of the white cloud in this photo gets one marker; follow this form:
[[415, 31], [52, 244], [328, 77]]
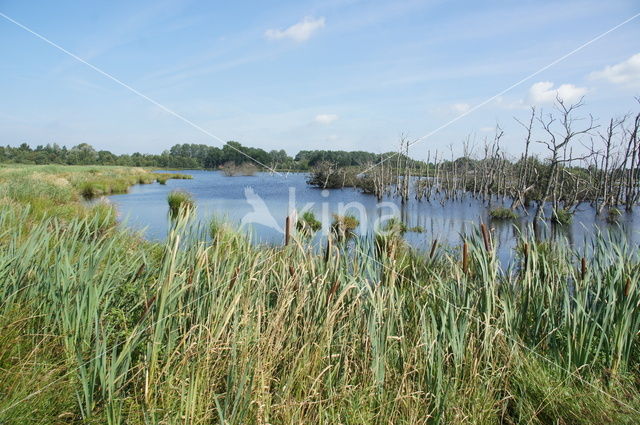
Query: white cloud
[[460, 108], [510, 104], [299, 32], [544, 92], [626, 72], [325, 118]]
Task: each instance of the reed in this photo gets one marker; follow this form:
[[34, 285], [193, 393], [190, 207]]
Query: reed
[[99, 326]]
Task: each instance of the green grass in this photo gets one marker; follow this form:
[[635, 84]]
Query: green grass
[[397, 226], [180, 202], [162, 178], [99, 326]]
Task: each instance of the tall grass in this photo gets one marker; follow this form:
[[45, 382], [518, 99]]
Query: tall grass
[[106, 328], [56, 190], [180, 203]]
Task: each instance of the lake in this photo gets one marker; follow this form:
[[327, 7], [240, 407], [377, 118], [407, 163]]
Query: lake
[[260, 203]]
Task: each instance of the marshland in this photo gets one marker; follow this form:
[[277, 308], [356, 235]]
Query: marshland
[[319, 212], [102, 325]]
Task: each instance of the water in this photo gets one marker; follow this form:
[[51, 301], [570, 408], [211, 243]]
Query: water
[[260, 204]]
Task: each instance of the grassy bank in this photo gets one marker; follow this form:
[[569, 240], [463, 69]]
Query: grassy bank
[[101, 327], [56, 190]]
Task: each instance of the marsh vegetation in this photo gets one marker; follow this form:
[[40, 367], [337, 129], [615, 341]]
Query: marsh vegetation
[[101, 326]]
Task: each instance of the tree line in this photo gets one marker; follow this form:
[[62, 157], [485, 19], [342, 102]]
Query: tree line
[[185, 155]]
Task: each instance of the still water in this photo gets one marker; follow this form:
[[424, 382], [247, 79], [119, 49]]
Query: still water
[[260, 203]]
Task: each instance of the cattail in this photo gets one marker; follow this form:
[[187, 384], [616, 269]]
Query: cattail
[[525, 253], [333, 290], [139, 273], [583, 268], [486, 237], [148, 305], [287, 230], [391, 249], [328, 250], [291, 271], [433, 248], [627, 287], [234, 277], [465, 258]]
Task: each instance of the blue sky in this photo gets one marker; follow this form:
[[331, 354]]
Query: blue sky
[[335, 74]]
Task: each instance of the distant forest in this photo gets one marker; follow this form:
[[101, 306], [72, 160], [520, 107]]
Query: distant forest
[[184, 156]]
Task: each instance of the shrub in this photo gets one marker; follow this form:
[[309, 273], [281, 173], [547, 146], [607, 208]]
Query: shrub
[[503, 214]]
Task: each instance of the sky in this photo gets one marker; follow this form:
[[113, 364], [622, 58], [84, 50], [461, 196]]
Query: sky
[[299, 75]]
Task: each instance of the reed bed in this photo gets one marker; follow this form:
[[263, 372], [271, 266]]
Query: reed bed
[[99, 326]]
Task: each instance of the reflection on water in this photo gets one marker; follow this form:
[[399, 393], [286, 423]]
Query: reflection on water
[[263, 201]]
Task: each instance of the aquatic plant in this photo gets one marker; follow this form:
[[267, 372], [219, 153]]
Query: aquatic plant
[[613, 215], [503, 214], [395, 225], [162, 178], [399, 227], [562, 216], [180, 203], [344, 226], [307, 224]]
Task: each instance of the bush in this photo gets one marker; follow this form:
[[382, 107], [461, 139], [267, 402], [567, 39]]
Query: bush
[[503, 214]]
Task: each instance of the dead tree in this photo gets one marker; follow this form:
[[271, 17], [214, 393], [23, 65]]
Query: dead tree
[[557, 144], [523, 185], [632, 162], [605, 189]]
